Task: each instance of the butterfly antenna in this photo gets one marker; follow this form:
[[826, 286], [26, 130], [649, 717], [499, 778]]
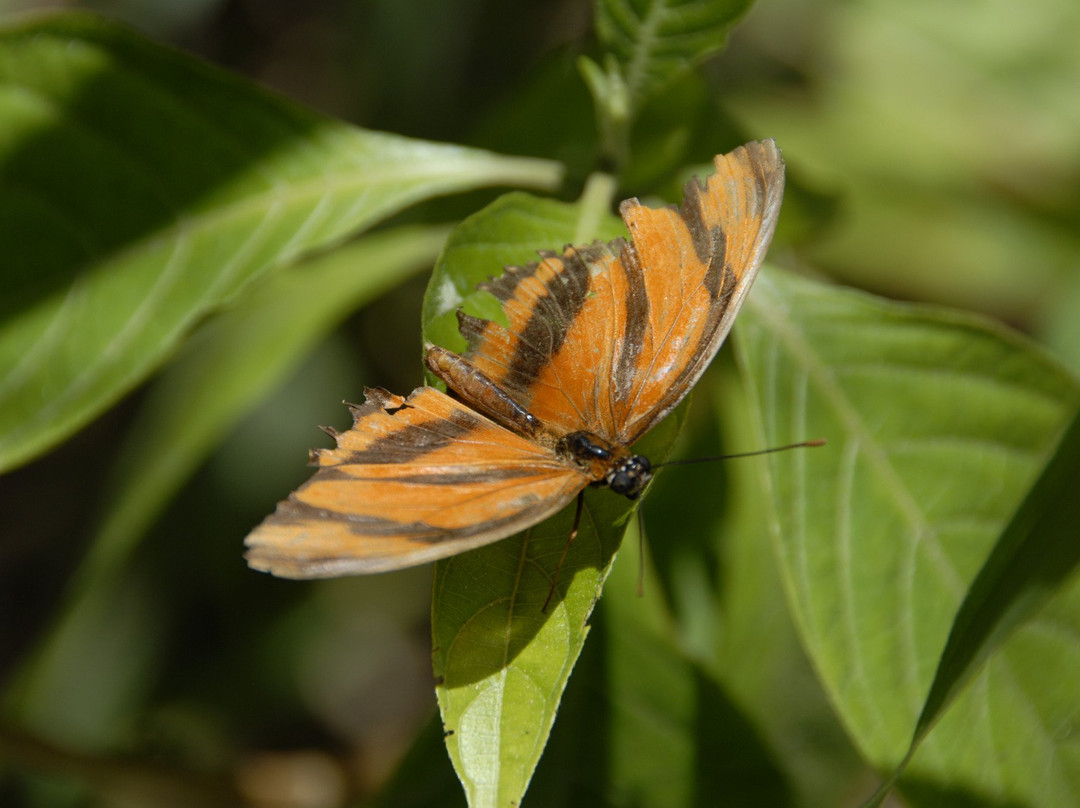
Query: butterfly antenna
[[801, 445], [565, 550]]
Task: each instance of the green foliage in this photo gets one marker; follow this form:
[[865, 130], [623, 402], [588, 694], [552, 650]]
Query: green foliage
[[938, 424], [501, 662], [144, 190], [187, 287], [650, 45], [655, 41]]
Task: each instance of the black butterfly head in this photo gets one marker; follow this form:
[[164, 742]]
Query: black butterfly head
[[630, 476]]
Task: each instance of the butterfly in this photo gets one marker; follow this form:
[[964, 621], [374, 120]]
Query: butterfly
[[601, 342]]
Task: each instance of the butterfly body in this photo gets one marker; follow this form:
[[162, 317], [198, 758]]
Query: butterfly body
[[483, 394], [601, 341], [603, 462]]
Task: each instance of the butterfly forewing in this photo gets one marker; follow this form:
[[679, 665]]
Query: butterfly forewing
[[700, 261], [414, 480], [609, 338]]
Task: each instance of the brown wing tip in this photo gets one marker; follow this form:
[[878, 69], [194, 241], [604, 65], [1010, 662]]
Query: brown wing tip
[[255, 560], [759, 150], [627, 205], [502, 285], [375, 398], [381, 397], [594, 250], [271, 549], [763, 155], [471, 328]]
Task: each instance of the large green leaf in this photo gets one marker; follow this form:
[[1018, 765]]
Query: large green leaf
[[1033, 561], [937, 425], [502, 663], [140, 188], [708, 532]]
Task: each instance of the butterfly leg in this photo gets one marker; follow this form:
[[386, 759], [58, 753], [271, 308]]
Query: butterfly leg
[[565, 549]]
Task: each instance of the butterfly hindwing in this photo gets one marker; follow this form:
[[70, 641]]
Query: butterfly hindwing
[[414, 480], [561, 305]]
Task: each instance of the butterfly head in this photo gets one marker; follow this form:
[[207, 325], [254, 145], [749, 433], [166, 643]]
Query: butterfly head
[[607, 463], [630, 476]]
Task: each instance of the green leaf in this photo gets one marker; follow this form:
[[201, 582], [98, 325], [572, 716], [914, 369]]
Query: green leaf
[[501, 664], [141, 188], [937, 424], [1031, 563], [231, 362], [708, 534], [707, 704], [655, 41]]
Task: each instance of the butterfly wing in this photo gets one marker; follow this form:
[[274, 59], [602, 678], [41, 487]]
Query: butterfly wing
[[414, 480], [610, 337], [700, 260]]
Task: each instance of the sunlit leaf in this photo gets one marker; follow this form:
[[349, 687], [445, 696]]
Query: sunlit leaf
[[937, 424], [141, 188], [501, 662], [1034, 560]]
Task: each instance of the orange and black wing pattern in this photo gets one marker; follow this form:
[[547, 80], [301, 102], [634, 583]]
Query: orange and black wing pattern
[[414, 480], [602, 341], [609, 338]]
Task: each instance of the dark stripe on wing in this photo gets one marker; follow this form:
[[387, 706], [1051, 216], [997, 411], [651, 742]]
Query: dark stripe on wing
[[505, 286], [709, 241], [718, 274], [637, 323], [727, 281], [553, 315], [406, 444], [295, 512]]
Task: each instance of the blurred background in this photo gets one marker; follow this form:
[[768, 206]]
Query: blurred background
[[934, 155]]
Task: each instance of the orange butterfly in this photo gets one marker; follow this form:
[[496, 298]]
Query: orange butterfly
[[603, 341]]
